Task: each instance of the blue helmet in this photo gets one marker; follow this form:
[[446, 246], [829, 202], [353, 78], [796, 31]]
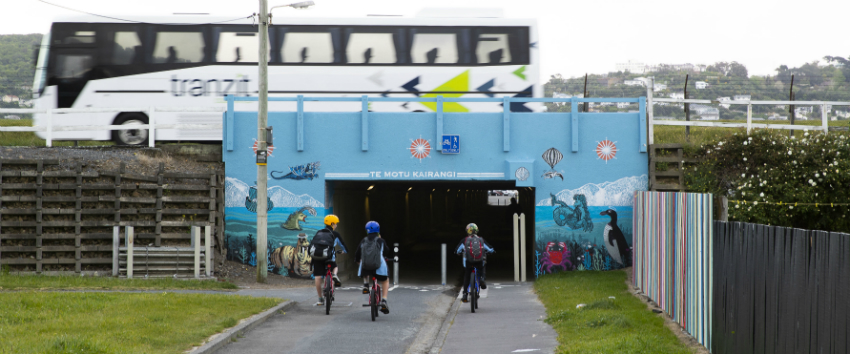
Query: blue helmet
[[373, 227]]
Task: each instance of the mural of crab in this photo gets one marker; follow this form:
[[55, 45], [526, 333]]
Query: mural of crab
[[557, 255]]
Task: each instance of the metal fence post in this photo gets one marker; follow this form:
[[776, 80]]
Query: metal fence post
[[208, 250], [196, 238], [443, 263], [395, 266], [749, 118], [128, 233], [152, 124], [824, 119], [522, 245], [116, 250], [49, 127], [516, 247]]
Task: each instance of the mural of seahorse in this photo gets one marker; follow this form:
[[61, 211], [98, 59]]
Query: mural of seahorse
[[577, 217], [294, 219]]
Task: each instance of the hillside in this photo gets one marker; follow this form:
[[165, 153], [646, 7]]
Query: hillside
[[17, 68], [813, 81]]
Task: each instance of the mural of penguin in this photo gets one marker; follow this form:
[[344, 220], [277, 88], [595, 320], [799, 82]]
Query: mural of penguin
[[615, 242]]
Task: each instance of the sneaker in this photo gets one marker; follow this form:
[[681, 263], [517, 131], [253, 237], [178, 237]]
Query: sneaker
[[384, 308], [483, 285], [321, 302], [465, 298], [366, 304], [365, 288], [337, 282]]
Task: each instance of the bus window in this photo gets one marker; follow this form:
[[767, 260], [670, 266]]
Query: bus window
[[493, 49], [370, 48], [434, 48], [307, 47], [178, 47], [238, 47], [127, 48], [72, 66]]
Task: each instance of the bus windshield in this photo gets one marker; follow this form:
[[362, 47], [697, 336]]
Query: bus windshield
[[41, 67]]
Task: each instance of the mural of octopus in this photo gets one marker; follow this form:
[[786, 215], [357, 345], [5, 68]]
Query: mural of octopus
[[557, 255], [293, 222], [294, 259], [577, 217]]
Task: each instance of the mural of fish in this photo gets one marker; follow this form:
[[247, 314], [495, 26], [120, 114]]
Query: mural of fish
[[293, 222]]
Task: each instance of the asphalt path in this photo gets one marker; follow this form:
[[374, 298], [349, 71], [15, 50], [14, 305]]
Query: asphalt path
[[416, 313]]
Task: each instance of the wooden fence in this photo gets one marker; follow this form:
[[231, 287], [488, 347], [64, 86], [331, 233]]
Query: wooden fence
[[780, 290], [673, 255], [55, 219]]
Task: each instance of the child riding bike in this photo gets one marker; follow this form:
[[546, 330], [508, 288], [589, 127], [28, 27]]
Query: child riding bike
[[371, 257], [474, 250], [322, 252]]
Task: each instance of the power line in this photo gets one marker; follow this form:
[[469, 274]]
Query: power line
[[141, 22]]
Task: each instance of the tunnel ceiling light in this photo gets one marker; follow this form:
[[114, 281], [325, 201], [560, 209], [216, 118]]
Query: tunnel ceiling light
[[370, 187], [409, 189]]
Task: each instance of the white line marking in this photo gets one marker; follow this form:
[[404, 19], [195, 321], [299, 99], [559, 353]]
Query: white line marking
[[391, 289], [524, 350]]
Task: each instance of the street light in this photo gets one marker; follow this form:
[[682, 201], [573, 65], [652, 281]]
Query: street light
[[262, 131]]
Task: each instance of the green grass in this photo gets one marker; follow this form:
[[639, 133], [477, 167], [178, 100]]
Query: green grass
[[621, 325], [666, 134], [43, 282], [30, 139], [64, 322]]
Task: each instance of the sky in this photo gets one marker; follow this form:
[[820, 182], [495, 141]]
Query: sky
[[574, 37]]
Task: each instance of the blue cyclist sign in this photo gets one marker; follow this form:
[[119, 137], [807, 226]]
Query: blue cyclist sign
[[451, 144]]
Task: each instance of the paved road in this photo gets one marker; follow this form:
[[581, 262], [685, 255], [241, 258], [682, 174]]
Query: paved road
[[414, 319], [508, 320]]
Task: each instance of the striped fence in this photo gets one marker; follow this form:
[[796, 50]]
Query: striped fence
[[673, 256], [780, 290]]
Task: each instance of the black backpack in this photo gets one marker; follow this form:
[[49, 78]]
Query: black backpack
[[370, 252], [321, 247], [474, 249]]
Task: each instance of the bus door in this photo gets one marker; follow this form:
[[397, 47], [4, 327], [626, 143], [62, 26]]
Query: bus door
[[73, 60]]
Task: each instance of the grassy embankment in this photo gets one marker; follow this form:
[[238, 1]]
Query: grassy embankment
[[30, 139], [619, 325], [34, 321], [663, 134]]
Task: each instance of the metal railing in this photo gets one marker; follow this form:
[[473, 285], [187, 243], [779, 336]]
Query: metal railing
[[152, 125], [824, 127]]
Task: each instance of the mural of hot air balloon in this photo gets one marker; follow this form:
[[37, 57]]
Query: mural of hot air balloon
[[552, 157], [251, 201]]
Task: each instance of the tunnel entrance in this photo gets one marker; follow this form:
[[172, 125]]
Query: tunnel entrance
[[420, 216]]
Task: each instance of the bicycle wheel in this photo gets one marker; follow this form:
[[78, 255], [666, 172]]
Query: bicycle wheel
[[328, 294], [373, 301], [473, 295]]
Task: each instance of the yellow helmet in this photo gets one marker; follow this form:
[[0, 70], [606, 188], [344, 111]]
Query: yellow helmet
[[331, 219]]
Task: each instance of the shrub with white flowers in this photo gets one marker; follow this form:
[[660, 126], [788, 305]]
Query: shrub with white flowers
[[768, 167]]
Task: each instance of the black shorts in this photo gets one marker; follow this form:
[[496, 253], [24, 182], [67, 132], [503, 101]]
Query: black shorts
[[319, 269], [370, 273]]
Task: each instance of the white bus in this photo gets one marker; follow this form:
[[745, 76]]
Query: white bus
[[183, 61]]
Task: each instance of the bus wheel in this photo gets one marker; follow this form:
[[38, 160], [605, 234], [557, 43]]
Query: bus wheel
[[130, 136]]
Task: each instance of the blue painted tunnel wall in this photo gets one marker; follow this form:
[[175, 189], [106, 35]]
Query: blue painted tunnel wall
[[579, 164]]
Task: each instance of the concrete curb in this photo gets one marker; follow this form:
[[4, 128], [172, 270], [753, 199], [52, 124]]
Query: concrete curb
[[437, 346], [220, 340]]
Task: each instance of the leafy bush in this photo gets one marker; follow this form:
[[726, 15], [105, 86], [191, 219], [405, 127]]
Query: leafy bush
[[772, 179]]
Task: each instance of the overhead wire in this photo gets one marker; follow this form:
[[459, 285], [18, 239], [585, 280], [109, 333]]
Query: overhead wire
[[143, 22]]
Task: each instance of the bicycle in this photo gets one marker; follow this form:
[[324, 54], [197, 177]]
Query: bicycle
[[328, 290], [474, 289], [374, 296]]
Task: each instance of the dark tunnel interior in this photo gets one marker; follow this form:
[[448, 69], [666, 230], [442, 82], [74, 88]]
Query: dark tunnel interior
[[420, 216]]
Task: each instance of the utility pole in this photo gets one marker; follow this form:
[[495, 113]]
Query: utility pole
[[263, 132], [687, 111], [262, 122], [585, 92], [791, 107]]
